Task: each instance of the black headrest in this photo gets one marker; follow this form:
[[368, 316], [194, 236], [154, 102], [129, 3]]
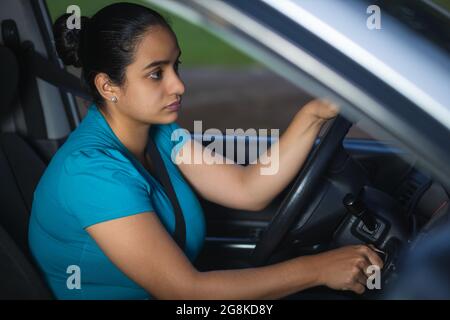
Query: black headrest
[[9, 78]]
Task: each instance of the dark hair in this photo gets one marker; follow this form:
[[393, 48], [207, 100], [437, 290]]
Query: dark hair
[[106, 42]]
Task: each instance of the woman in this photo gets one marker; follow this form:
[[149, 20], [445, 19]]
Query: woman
[[99, 210]]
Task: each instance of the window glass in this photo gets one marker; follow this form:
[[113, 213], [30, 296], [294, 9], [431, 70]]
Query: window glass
[[225, 88]]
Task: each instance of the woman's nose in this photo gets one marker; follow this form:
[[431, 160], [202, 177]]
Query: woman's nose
[[176, 86]]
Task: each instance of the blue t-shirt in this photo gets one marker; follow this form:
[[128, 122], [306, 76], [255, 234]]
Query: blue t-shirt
[[91, 179]]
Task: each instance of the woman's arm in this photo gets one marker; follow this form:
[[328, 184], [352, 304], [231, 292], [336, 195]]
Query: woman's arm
[[141, 248], [240, 187]]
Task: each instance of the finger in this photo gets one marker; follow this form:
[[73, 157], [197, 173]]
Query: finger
[[358, 288], [333, 106], [373, 257], [361, 277], [364, 266], [371, 246], [380, 253]]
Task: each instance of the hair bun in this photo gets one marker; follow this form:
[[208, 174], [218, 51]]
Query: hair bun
[[67, 41]]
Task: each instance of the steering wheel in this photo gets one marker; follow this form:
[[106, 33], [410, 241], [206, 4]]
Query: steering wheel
[[292, 207]]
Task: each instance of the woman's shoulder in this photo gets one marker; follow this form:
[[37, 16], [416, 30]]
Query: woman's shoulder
[[97, 161], [165, 131], [168, 136], [97, 185]]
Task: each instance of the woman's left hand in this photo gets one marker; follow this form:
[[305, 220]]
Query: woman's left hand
[[321, 109]]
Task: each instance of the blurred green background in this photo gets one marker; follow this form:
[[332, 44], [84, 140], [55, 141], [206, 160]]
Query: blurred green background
[[200, 48]]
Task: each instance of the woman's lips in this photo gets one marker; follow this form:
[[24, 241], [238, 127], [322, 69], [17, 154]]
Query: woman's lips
[[174, 106]]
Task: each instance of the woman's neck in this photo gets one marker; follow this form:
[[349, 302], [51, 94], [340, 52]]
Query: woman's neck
[[133, 135]]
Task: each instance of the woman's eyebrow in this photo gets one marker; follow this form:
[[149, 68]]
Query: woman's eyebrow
[[159, 62]]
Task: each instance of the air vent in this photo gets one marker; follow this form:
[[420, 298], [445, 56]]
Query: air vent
[[411, 188]]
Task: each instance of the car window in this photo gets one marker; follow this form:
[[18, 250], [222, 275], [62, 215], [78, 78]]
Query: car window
[[225, 88]]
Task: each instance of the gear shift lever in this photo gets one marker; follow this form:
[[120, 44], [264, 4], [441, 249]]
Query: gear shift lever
[[357, 208]]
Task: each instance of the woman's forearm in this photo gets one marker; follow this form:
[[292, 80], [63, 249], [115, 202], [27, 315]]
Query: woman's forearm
[[289, 153], [270, 282]]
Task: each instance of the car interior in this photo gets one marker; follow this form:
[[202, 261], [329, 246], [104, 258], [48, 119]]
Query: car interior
[[360, 190]]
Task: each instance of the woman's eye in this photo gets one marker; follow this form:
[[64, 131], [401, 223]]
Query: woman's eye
[[157, 75]]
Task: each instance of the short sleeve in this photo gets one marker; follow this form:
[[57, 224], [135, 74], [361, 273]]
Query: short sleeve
[[171, 138], [100, 185]]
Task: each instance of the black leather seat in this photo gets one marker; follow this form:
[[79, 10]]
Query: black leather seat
[[19, 279], [20, 171]]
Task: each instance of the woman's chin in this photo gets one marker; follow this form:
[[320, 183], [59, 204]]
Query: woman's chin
[[170, 117], [173, 115]]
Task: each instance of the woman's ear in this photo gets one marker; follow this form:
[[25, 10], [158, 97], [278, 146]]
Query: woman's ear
[[107, 90]]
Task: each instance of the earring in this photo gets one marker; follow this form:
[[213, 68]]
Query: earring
[[114, 99]]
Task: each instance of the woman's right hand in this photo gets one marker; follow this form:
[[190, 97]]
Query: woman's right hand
[[345, 268]]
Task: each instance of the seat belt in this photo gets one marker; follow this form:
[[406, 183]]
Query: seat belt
[[163, 177], [32, 66], [51, 73]]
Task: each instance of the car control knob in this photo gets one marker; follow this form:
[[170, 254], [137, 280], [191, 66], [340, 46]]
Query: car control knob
[[357, 208]]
